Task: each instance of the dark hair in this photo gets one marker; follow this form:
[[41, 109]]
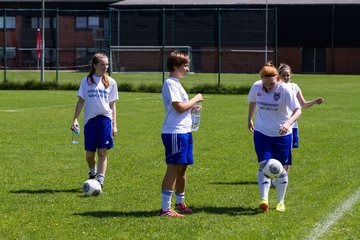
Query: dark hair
[[176, 59], [95, 60]]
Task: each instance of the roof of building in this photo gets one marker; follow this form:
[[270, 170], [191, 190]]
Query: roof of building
[[58, 1], [198, 2], [234, 2]]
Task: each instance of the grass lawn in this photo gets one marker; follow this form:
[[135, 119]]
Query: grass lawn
[[42, 171]]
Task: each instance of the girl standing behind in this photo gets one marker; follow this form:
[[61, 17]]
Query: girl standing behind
[[285, 76]]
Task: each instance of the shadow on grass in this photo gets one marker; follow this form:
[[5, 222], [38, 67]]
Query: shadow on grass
[[232, 211], [112, 214], [236, 183], [46, 191]]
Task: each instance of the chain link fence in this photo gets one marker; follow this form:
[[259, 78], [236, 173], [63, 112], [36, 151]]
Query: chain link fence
[[217, 40]]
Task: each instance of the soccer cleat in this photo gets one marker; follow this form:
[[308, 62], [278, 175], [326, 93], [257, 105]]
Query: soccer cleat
[[91, 176], [280, 207], [264, 205], [170, 213], [182, 208]]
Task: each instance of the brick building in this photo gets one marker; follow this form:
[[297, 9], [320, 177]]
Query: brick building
[[317, 36]]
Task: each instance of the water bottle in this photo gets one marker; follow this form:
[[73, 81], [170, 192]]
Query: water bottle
[[76, 135], [195, 117]]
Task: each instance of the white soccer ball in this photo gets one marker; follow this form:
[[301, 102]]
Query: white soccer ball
[[273, 168], [91, 187]]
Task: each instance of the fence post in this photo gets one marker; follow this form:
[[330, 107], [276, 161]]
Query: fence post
[[57, 45], [42, 42], [219, 46], [4, 24], [163, 45], [276, 39], [109, 41]]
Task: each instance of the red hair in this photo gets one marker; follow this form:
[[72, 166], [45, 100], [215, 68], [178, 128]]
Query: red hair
[[269, 70]]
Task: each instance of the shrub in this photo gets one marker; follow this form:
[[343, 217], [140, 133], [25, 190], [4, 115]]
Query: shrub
[[219, 89], [126, 87]]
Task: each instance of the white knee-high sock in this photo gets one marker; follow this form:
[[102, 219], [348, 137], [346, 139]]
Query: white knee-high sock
[[166, 199], [281, 185], [180, 197], [93, 170], [101, 178], [264, 185]]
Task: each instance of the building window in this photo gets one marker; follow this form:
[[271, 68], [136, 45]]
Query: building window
[[81, 22], [36, 22], [87, 22], [93, 22], [10, 22], [10, 52]]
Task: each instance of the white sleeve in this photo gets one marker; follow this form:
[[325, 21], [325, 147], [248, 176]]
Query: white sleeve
[[174, 93], [293, 102], [296, 88], [252, 95], [82, 88], [114, 95]]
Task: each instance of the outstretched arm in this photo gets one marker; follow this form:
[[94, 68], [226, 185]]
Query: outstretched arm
[[306, 104]]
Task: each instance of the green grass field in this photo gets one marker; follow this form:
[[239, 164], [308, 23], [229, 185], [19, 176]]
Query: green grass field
[[42, 172]]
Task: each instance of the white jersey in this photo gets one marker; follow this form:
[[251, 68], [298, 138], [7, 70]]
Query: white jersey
[[295, 88], [97, 97], [175, 122], [272, 107]]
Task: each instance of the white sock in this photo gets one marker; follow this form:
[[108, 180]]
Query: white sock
[[180, 197], [281, 185], [101, 178], [92, 171], [166, 199], [264, 185]]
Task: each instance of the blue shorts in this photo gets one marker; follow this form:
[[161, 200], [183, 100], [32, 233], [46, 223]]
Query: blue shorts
[[295, 136], [178, 148], [273, 147], [98, 133]]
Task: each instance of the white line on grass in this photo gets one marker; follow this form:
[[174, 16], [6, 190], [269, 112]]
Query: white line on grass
[[34, 108], [323, 227], [67, 105]]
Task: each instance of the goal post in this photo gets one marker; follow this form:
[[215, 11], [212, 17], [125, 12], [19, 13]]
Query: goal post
[[143, 58]]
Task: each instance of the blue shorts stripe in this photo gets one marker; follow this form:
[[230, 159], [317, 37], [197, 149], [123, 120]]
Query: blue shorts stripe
[[174, 144], [178, 148], [295, 136]]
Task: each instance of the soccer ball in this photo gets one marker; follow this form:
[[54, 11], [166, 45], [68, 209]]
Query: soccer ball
[[91, 187], [273, 168]]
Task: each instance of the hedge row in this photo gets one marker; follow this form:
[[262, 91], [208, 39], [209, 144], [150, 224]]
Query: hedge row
[[126, 87]]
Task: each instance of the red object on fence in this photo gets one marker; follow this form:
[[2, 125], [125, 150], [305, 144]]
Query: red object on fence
[[38, 43]]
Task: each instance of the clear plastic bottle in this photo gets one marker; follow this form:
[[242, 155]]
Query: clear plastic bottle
[[76, 135], [195, 117]]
